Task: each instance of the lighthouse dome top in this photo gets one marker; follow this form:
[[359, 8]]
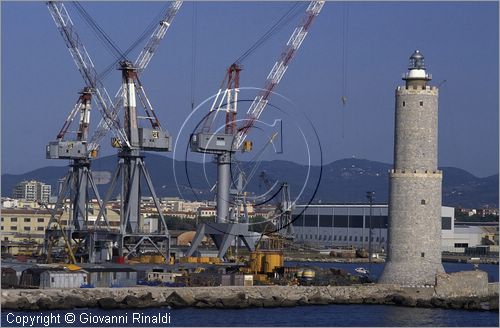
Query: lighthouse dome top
[[416, 68], [416, 60]]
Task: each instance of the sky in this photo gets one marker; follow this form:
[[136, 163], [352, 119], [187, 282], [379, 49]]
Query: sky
[[356, 50]]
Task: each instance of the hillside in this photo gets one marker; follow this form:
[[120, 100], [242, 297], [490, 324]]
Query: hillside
[[345, 180]]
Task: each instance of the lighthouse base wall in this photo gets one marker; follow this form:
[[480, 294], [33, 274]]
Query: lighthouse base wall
[[414, 240]]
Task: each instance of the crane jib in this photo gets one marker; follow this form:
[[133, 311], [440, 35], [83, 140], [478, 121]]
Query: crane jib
[[84, 63], [140, 64], [278, 70]]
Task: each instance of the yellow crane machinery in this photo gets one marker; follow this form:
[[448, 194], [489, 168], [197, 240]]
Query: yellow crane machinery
[[55, 218]]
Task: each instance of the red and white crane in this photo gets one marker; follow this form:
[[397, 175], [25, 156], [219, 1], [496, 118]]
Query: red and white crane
[[139, 65], [85, 67], [223, 145], [129, 136], [273, 79]]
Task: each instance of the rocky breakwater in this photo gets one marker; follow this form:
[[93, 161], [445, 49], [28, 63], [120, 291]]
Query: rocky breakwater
[[476, 296]]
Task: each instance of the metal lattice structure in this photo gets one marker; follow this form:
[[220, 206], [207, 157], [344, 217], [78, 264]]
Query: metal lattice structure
[[140, 64], [274, 78], [130, 138], [85, 67], [223, 145]]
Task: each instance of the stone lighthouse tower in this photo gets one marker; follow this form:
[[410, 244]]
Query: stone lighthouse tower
[[414, 243]]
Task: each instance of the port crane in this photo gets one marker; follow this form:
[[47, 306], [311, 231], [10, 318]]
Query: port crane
[[131, 167], [282, 216], [79, 177], [224, 144], [130, 137]]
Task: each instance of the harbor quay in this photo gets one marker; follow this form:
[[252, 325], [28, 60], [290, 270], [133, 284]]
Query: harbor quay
[[475, 293]]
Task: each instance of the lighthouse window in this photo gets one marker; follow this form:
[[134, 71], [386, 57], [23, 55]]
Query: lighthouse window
[[421, 103], [404, 104], [422, 254], [422, 202]]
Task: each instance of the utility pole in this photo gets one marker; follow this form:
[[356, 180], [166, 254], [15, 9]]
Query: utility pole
[[370, 195]]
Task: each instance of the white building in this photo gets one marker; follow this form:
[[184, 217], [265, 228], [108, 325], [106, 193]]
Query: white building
[[9, 202], [32, 191], [168, 277], [62, 279], [328, 225], [207, 211]]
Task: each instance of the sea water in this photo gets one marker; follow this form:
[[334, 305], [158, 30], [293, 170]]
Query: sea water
[[313, 315]]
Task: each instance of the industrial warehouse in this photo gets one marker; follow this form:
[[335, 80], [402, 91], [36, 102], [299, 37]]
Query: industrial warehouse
[[344, 225]]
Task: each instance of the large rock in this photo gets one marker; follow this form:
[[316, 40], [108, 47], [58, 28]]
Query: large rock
[[108, 303], [179, 299], [461, 284], [74, 301], [131, 301], [461, 290]]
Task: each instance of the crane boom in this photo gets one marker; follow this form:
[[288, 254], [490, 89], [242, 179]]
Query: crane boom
[[278, 70], [86, 67], [70, 119], [147, 53], [140, 64]]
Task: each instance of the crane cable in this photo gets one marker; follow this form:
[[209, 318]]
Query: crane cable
[[112, 48], [285, 19], [345, 39], [194, 52], [140, 39]]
